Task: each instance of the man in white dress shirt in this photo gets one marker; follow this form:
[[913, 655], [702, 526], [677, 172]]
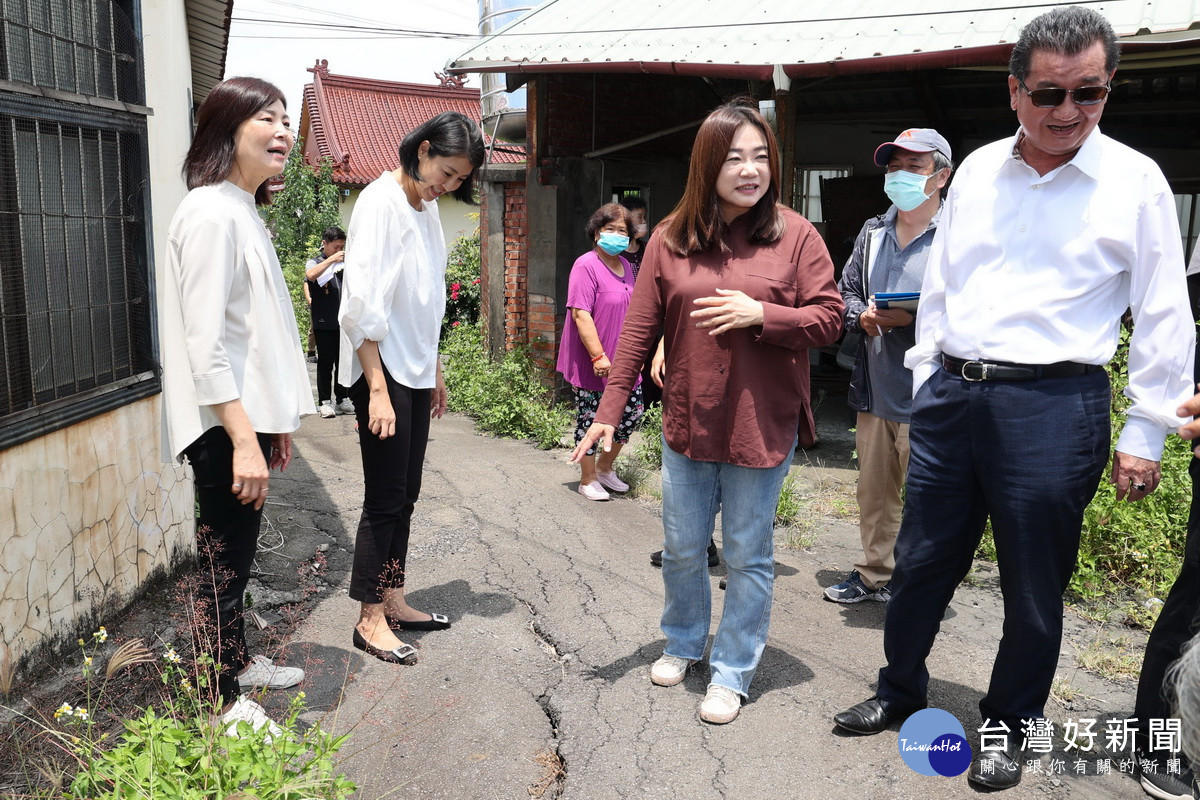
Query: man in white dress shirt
[[1045, 239]]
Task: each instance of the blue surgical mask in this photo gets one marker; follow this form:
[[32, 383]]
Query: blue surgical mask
[[905, 189], [613, 243]]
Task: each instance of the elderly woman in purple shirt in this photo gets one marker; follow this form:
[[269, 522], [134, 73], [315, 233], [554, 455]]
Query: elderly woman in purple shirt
[[598, 293]]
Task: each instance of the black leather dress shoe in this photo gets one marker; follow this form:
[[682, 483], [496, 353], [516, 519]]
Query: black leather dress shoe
[[871, 716], [996, 769]]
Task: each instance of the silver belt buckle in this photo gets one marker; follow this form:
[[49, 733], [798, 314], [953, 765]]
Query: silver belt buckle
[[983, 371]]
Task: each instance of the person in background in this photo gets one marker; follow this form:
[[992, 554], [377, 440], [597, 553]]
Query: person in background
[[637, 237], [235, 382], [736, 390], [651, 390], [1178, 622], [1045, 239], [391, 313], [598, 293], [889, 256], [323, 288]]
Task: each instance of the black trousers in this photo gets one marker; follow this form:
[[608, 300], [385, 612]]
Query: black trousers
[[227, 538], [1177, 623], [328, 343], [1028, 455], [392, 483]]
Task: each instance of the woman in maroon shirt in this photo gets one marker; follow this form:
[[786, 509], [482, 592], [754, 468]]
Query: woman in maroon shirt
[[741, 287]]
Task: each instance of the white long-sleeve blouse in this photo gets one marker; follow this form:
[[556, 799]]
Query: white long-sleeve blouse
[[395, 285], [226, 323]]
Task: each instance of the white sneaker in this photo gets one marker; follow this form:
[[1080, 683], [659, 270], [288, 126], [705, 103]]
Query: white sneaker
[[326, 410], [669, 670], [609, 480], [721, 705], [263, 673], [593, 491], [250, 712], [345, 406]]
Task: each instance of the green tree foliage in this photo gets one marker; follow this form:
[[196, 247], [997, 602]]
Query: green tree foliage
[[299, 213], [462, 282]]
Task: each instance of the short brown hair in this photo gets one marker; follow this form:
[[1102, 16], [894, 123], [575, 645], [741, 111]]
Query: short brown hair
[[609, 212], [696, 225], [228, 105]]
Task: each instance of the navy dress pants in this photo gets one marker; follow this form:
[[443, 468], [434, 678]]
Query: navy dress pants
[[1029, 455], [1178, 622]]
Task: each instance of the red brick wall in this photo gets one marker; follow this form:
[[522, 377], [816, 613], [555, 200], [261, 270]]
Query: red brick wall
[[543, 332], [516, 234]]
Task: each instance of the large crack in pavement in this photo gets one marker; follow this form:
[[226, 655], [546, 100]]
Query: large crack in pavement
[[555, 781]]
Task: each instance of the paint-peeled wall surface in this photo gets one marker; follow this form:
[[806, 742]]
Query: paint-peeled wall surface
[[88, 513]]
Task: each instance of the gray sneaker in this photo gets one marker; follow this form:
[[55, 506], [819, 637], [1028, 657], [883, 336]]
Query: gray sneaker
[[853, 590]]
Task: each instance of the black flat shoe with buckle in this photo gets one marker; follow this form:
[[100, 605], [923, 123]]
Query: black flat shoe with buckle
[[405, 654], [436, 622]]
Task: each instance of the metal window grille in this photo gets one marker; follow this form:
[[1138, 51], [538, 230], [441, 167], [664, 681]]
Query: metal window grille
[[87, 47], [75, 310]]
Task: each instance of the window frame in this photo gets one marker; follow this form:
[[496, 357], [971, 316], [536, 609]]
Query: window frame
[[39, 104]]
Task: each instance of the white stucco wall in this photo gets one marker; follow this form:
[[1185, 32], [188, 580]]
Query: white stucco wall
[[89, 512]]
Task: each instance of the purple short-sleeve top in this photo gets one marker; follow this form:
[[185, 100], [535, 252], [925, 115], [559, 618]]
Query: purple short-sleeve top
[[593, 288]]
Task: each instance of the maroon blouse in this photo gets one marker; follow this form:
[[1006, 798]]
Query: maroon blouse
[[743, 396]]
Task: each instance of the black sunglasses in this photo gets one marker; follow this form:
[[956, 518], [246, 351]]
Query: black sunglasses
[[1052, 98]]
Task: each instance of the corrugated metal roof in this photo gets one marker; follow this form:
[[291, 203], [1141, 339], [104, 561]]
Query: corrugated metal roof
[[208, 35], [745, 38]]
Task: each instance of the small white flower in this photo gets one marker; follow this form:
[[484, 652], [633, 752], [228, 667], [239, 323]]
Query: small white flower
[[172, 656], [81, 713], [101, 634], [64, 710], [87, 661]]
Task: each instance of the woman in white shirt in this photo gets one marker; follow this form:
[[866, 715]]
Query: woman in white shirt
[[392, 308], [234, 377]]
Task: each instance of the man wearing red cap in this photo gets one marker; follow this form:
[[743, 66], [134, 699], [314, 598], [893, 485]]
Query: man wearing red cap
[[889, 255]]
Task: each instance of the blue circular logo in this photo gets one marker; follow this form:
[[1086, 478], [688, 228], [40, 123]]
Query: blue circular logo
[[933, 742]]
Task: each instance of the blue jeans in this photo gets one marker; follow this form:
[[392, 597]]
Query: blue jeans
[[693, 491]]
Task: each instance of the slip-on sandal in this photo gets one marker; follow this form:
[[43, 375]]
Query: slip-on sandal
[[404, 654], [438, 622]]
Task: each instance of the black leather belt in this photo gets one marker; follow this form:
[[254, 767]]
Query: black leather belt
[[975, 371]]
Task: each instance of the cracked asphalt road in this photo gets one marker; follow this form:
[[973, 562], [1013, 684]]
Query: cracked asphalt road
[[555, 620]]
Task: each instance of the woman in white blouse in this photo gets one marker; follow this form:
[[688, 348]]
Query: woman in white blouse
[[393, 302], [234, 377]]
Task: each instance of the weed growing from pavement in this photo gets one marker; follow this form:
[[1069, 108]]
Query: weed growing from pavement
[[1063, 690], [1111, 656]]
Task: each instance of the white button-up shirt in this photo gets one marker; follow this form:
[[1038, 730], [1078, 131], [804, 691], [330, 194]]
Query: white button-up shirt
[[1037, 269], [395, 285]]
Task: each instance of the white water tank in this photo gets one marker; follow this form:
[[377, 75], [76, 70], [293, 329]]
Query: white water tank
[[503, 111]]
